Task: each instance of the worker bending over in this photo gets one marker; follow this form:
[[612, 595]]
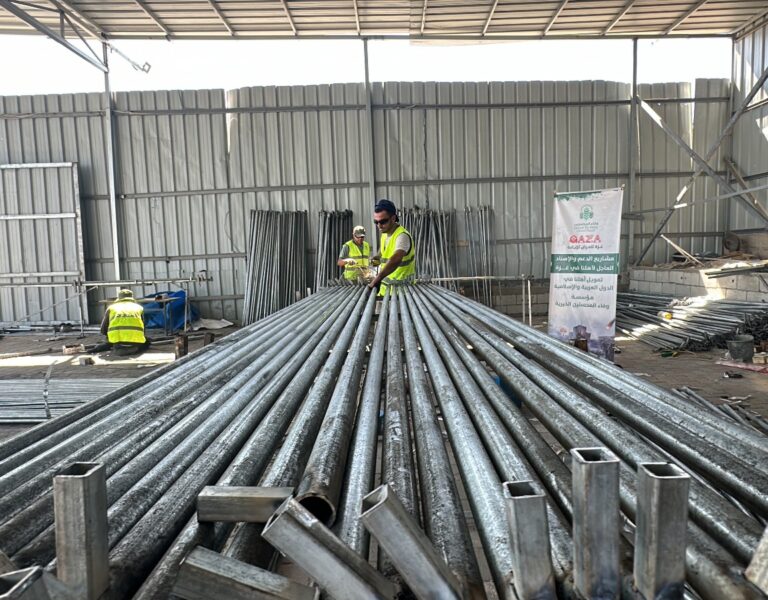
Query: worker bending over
[[354, 255], [123, 324], [397, 252]]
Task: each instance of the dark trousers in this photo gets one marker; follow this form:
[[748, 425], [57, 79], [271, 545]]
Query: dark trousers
[[121, 348]]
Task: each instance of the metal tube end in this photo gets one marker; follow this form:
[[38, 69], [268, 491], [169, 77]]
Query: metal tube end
[[593, 455]]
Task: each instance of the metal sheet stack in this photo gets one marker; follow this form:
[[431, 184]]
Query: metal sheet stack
[[434, 232], [294, 401], [333, 229], [276, 264], [697, 324], [37, 400]]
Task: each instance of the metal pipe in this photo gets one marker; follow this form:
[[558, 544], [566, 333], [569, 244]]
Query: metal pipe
[[533, 577], [662, 514], [339, 571], [596, 522], [408, 547], [361, 464], [80, 504], [443, 514], [320, 486]]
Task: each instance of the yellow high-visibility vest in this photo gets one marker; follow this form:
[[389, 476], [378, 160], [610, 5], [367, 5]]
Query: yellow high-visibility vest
[[361, 256], [406, 270], [126, 324]]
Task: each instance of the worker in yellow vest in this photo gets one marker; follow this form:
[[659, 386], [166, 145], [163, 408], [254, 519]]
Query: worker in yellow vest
[[355, 255], [123, 324], [397, 251]]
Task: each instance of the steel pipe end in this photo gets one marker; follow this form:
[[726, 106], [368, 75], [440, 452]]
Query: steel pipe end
[[320, 506]]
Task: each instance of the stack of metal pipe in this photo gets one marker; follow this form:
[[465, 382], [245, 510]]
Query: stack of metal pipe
[[698, 324], [276, 263], [481, 241], [434, 233], [294, 401], [333, 229]]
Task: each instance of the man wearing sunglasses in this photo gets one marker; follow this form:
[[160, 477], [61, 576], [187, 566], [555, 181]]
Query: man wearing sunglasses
[[396, 249], [354, 255]]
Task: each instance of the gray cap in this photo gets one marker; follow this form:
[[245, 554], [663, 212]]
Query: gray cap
[[359, 231]]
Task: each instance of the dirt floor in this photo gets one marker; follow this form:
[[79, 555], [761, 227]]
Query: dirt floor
[[695, 370]]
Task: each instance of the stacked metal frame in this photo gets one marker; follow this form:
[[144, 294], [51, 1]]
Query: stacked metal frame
[[333, 229], [276, 269], [294, 400], [481, 242], [41, 254], [434, 233]]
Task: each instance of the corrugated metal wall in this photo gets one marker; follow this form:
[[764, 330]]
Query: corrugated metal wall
[[750, 136], [192, 164]]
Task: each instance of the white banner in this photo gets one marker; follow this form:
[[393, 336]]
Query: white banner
[[584, 268]]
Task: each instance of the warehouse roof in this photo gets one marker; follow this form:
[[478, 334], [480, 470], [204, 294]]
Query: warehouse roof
[[487, 19]]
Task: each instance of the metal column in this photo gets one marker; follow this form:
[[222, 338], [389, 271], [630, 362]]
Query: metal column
[[632, 180], [109, 132]]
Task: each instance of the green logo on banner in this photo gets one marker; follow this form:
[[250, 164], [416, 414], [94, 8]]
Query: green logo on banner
[[587, 213]]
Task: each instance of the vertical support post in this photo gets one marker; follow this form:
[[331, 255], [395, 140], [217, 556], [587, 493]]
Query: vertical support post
[[662, 521], [109, 132], [533, 576], [182, 345], [369, 123], [596, 522], [80, 511], [632, 181]]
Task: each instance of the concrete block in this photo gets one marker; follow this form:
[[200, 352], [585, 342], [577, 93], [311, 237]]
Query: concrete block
[[662, 276], [748, 283], [757, 297], [650, 275], [736, 295], [656, 288]]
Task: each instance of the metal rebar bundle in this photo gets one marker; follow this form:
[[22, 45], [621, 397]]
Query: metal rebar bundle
[[37, 400], [276, 263], [294, 401], [696, 324], [481, 241], [333, 229], [434, 233]]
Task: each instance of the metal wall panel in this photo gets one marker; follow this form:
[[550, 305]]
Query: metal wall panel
[[40, 233], [750, 136], [192, 164]]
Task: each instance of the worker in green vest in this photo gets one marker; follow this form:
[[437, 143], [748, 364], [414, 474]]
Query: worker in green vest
[[123, 324], [397, 251], [354, 255]]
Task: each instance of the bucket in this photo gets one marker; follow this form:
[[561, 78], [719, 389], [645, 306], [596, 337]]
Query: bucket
[[742, 347]]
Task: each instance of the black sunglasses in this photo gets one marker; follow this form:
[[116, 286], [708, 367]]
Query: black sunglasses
[[382, 222]]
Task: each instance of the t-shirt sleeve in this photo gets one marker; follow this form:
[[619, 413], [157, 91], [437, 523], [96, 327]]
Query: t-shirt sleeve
[[403, 242], [344, 252]]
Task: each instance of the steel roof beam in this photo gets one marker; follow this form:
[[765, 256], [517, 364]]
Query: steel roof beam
[[753, 19], [490, 16], [45, 30], [221, 16], [289, 17], [619, 16], [423, 17], [687, 14], [88, 24], [554, 17], [357, 16], [152, 15]]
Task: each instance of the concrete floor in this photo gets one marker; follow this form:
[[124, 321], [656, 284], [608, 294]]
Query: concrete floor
[[695, 370]]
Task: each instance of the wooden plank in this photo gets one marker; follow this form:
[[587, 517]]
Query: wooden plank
[[239, 504], [205, 574]]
